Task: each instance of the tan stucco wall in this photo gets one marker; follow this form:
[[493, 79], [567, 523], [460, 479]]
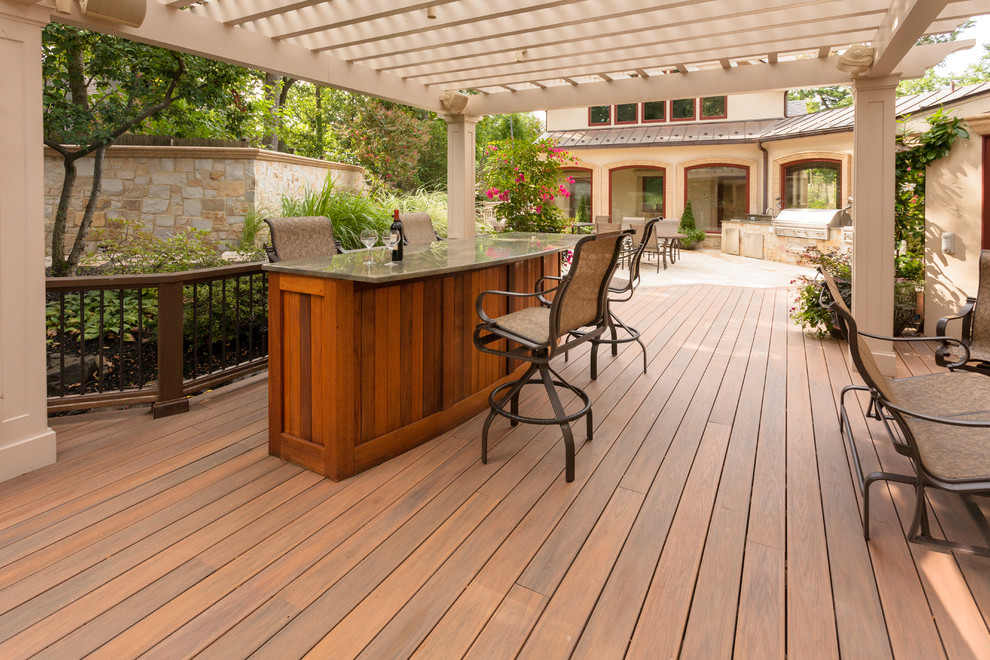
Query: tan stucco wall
[[171, 188], [953, 203]]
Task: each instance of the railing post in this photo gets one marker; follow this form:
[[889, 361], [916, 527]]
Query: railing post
[[171, 399]]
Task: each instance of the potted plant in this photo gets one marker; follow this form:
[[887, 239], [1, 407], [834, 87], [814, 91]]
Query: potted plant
[[693, 235]]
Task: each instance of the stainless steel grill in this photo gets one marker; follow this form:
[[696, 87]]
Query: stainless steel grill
[[810, 223]]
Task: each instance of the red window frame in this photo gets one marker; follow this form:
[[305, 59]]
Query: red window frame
[[701, 107], [783, 178], [642, 113], [591, 175], [694, 108], [604, 123], [986, 193], [615, 114]]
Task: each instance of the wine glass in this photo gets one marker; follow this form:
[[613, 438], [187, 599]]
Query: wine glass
[[390, 243], [369, 237]]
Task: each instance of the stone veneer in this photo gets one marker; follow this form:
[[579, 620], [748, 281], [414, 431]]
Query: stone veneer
[[170, 188]]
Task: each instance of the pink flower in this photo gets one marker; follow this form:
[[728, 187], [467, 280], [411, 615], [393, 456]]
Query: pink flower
[[521, 178], [539, 209], [570, 179]]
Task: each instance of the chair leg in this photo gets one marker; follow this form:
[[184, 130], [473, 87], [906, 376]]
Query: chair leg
[[611, 328], [484, 436], [632, 332], [594, 359], [920, 521], [558, 410]]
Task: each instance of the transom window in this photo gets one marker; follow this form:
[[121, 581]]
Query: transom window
[[626, 113], [812, 184], [655, 111], [713, 107], [599, 115], [681, 109]]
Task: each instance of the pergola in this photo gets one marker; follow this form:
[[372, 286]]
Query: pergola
[[518, 55]]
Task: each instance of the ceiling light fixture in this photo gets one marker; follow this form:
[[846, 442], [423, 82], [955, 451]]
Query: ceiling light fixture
[[431, 12]]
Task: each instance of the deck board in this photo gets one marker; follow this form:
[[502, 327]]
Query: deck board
[[713, 515]]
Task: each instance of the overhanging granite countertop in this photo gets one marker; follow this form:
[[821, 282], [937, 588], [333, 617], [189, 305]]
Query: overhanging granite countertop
[[439, 258]]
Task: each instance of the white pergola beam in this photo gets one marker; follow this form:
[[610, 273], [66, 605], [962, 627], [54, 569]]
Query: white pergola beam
[[719, 39], [196, 35], [639, 22], [903, 22]]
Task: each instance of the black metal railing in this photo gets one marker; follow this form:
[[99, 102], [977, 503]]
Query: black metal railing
[[126, 339]]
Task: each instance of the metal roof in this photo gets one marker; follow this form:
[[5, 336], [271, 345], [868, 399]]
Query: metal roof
[[836, 120]]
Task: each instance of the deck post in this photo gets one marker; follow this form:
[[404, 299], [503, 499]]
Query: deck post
[[460, 175], [26, 442], [873, 212]]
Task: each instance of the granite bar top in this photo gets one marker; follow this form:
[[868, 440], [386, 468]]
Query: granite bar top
[[438, 258]]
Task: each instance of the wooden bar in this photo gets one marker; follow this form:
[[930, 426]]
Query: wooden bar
[[369, 362]]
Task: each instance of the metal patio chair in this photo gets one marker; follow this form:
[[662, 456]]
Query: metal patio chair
[[302, 237], [975, 316], [940, 421], [417, 228], [580, 300]]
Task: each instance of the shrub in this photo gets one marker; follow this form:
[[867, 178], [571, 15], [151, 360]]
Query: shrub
[[694, 236], [349, 211], [524, 176], [126, 246], [807, 310]]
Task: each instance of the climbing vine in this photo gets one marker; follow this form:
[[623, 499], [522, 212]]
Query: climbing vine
[[915, 152]]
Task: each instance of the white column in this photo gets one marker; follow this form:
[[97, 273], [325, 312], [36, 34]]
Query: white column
[[460, 175], [873, 213], [26, 442]]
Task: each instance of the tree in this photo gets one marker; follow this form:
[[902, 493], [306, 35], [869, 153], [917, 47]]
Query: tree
[[99, 87]]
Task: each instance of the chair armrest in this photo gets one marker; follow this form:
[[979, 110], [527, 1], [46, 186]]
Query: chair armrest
[[939, 352], [963, 313], [270, 251], [479, 301], [955, 420]]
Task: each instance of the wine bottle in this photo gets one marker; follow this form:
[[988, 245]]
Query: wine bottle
[[397, 237]]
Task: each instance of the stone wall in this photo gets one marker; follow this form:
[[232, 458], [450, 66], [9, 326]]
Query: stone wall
[[172, 188]]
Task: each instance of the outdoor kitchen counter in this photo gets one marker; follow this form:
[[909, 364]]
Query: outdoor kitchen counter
[[369, 361]]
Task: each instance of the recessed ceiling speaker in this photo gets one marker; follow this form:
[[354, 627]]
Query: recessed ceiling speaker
[[128, 12]]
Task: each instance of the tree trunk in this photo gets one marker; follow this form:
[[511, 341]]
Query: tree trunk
[[319, 121], [59, 266], [87, 220]]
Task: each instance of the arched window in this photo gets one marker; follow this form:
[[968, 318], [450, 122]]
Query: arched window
[[636, 191], [717, 193], [577, 205], [812, 184]]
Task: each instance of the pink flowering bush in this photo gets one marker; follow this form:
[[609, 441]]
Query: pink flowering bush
[[525, 177]]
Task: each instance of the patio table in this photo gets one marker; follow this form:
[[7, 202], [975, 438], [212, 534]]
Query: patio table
[[369, 361]]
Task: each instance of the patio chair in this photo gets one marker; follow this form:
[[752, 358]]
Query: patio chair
[[975, 326], [304, 237], [940, 421], [604, 225], [580, 300], [621, 289], [417, 228], [669, 241]]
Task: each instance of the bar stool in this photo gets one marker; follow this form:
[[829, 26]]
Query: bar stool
[[580, 300]]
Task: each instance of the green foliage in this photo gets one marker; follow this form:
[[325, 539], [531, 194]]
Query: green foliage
[[807, 310], [425, 201], [139, 310], [911, 268], [694, 236], [915, 153], [387, 140], [350, 212], [524, 177], [127, 247], [822, 98]]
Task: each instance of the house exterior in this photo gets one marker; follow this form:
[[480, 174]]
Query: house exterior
[[730, 156]]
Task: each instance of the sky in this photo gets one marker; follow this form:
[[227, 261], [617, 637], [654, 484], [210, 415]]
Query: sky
[[957, 62]]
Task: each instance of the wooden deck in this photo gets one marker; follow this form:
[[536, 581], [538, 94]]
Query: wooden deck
[[714, 514]]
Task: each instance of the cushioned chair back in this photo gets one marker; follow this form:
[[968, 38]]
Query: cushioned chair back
[[642, 237], [606, 226], [862, 356], [668, 227], [981, 313], [418, 228], [581, 299], [305, 237]]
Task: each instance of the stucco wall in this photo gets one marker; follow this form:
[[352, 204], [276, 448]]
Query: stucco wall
[[953, 203], [171, 188]]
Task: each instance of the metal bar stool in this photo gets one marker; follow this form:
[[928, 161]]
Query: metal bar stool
[[580, 300]]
